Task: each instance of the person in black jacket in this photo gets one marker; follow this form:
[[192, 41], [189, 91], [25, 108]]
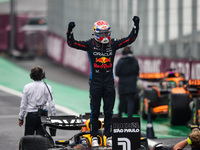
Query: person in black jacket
[[127, 69], [101, 51]]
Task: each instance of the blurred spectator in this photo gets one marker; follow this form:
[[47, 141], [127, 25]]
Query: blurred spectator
[[193, 140], [127, 69]]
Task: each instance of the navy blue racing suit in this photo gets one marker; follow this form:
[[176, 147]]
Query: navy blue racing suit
[[101, 79]]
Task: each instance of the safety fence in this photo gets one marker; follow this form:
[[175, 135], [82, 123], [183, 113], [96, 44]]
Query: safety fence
[[56, 48], [61, 53]]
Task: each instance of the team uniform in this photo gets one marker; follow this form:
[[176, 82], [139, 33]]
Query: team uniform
[[101, 52], [35, 94]]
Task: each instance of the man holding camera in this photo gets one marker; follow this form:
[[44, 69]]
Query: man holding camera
[[34, 99]]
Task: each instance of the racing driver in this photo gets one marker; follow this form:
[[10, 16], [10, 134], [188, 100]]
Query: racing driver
[[101, 50]]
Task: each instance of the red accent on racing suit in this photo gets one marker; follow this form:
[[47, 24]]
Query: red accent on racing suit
[[101, 58]]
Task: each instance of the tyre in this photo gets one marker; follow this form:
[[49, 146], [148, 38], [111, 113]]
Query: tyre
[[33, 142], [179, 112], [151, 95]]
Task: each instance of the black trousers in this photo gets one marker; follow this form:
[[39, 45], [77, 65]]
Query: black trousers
[[126, 101], [33, 125], [105, 91]]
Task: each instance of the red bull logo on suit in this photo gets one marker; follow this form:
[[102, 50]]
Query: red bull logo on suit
[[103, 60]]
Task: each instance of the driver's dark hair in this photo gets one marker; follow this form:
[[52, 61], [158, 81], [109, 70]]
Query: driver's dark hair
[[127, 50], [37, 73], [195, 137]]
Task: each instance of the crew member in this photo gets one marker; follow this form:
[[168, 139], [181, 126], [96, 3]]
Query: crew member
[[34, 99]]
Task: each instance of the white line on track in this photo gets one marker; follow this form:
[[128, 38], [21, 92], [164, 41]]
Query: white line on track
[[19, 94], [8, 116]]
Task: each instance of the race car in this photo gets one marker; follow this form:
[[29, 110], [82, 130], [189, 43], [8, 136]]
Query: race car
[[78, 124], [194, 87], [170, 97]]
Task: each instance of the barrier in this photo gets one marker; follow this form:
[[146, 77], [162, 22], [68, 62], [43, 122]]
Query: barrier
[[60, 52], [3, 40]]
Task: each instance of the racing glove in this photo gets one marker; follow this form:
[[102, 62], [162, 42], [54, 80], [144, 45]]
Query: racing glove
[[136, 21], [71, 25]]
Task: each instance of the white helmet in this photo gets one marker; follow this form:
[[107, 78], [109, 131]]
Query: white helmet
[[102, 31]]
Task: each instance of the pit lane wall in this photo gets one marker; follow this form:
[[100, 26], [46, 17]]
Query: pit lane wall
[[60, 52]]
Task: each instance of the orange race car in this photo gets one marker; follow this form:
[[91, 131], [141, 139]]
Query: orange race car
[[170, 97]]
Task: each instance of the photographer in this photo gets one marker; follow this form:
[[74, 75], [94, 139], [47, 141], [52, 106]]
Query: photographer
[[193, 140], [34, 99]]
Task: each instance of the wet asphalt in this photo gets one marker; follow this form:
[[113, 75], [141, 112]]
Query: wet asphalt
[[10, 132]]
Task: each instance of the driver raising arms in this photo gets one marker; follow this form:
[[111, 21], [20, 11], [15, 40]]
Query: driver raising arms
[[101, 50]]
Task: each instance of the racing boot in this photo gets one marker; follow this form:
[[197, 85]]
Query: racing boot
[[109, 141], [95, 142]]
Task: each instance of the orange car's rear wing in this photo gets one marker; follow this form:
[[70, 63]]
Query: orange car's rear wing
[[152, 76], [157, 76]]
